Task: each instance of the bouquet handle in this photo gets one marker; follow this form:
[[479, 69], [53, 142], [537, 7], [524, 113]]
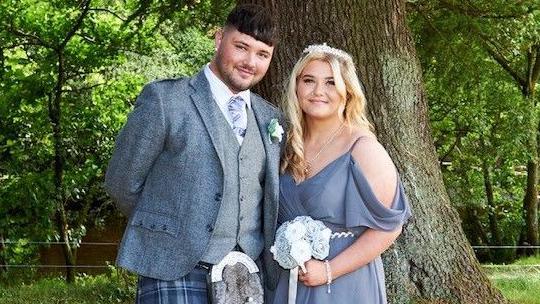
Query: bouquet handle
[[293, 285]]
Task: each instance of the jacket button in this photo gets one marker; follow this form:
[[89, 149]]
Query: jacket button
[[209, 228], [140, 223], [217, 197], [164, 227], [153, 226]]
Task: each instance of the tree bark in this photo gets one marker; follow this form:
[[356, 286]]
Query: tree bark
[[3, 268], [492, 214], [432, 260], [55, 116], [530, 201], [55, 103]]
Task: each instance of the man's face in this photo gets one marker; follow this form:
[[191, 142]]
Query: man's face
[[240, 61]]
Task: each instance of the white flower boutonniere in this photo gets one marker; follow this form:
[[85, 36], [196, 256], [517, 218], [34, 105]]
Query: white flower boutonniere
[[275, 131]]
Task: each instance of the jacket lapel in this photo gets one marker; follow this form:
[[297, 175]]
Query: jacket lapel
[[264, 114], [208, 111]]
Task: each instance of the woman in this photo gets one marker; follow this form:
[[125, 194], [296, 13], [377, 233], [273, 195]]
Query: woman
[[334, 170]]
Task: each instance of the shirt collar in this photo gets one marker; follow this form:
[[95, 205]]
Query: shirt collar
[[221, 93]]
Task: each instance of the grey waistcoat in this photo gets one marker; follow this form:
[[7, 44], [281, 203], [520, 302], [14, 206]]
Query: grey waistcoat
[[239, 219]]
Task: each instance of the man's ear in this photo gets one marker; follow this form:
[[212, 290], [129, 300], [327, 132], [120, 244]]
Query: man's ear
[[218, 38]]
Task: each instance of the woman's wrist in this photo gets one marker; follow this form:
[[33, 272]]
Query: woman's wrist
[[328, 275]]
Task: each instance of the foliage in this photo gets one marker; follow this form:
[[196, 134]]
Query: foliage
[[69, 72], [481, 120], [114, 287], [56, 143]]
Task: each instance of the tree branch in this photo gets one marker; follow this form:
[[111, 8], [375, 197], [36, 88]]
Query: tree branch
[[475, 12], [82, 89], [169, 41], [85, 8], [143, 7], [31, 39], [535, 70], [459, 136], [503, 62], [98, 9]]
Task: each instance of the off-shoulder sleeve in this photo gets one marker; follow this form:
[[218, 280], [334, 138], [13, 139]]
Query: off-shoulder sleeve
[[362, 208]]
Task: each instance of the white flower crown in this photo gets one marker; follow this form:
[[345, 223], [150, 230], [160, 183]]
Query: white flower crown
[[324, 48]]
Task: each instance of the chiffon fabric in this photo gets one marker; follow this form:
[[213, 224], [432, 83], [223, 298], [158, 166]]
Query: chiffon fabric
[[340, 196]]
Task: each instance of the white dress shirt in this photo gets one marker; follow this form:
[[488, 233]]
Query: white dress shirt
[[222, 94]]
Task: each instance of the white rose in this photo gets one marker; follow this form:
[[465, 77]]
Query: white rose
[[301, 252], [320, 244], [295, 231]]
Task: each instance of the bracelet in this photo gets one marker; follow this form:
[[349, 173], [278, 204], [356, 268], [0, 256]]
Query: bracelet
[[328, 275]]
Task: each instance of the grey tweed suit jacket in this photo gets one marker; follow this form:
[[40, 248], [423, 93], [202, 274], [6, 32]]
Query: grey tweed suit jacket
[[166, 175]]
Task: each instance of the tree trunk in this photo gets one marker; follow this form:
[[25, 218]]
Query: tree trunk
[[530, 201], [432, 260], [3, 268], [55, 103], [530, 208], [492, 214]]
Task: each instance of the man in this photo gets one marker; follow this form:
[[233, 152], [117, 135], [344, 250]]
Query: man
[[195, 169]]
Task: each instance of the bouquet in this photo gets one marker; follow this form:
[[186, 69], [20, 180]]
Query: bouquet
[[300, 239]]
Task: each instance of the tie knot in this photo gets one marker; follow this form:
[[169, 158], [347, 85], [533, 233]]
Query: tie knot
[[236, 103]]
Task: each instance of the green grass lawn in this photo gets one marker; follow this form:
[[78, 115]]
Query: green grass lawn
[[518, 282], [101, 289], [520, 285]]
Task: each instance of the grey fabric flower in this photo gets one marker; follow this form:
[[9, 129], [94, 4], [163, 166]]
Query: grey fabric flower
[[299, 239]]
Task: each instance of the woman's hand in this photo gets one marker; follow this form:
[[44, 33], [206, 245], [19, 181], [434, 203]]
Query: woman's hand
[[316, 273]]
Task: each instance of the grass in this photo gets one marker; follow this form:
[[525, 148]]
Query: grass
[[115, 287], [518, 282]]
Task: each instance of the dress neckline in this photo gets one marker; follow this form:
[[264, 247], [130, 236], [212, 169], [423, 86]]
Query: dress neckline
[[320, 172], [348, 152]]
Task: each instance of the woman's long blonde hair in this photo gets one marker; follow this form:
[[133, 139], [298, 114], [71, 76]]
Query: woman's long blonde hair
[[348, 87]]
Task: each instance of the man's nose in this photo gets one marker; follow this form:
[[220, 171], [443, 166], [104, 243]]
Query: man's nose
[[250, 60]]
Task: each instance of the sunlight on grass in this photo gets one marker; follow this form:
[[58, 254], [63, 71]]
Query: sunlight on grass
[[99, 289], [519, 282]]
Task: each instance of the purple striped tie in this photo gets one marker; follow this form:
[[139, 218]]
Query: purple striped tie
[[238, 115]]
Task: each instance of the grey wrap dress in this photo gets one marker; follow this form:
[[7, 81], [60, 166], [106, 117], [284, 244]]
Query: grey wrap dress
[[340, 196]]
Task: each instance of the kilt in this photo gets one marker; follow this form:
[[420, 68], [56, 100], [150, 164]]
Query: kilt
[[190, 289]]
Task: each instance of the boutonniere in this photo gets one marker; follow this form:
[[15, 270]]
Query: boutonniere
[[275, 131]]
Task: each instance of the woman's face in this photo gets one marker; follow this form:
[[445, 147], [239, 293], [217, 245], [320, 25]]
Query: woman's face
[[316, 91]]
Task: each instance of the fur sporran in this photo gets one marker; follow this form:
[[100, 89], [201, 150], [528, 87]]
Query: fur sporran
[[235, 280]]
